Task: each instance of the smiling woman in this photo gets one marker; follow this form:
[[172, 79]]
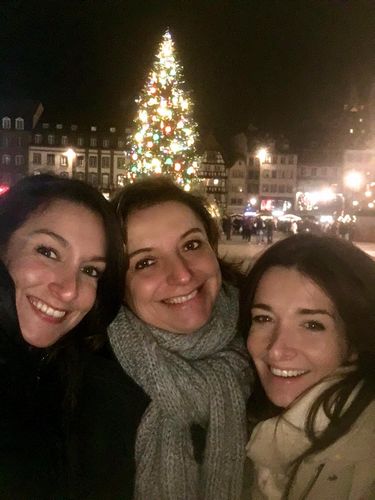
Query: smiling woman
[[61, 251], [307, 312], [176, 337]]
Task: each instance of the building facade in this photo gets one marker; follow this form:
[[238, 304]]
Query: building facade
[[17, 122], [265, 181], [94, 154]]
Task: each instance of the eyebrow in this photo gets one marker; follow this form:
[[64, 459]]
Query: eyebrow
[[300, 311], [149, 249], [64, 242]]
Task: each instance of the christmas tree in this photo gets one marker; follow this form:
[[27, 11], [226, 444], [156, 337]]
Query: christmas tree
[[165, 130]]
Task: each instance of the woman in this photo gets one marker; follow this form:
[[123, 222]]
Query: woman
[[176, 336], [308, 312], [61, 252]]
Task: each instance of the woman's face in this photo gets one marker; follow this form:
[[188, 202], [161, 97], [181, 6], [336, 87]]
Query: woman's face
[[296, 337], [174, 277], [55, 259]]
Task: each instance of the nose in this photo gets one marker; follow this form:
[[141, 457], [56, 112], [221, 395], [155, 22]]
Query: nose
[[282, 345], [178, 271], [65, 285]]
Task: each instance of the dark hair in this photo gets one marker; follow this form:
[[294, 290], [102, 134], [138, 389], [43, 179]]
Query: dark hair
[[347, 275], [154, 190], [34, 194]]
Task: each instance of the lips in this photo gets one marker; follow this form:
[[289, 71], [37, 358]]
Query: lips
[[51, 312], [286, 373], [181, 299]]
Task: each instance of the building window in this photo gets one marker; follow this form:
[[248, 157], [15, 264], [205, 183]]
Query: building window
[[266, 173], [74, 128], [313, 172], [289, 189], [6, 121], [63, 160], [6, 160], [51, 139], [50, 159], [265, 188], [80, 176], [38, 139], [92, 162], [112, 130], [120, 163], [282, 160], [273, 174], [80, 161], [64, 140], [45, 125], [20, 141], [281, 188], [19, 160], [93, 128], [37, 159], [120, 143], [80, 141], [273, 188], [105, 143], [92, 179], [93, 141], [5, 141], [19, 124], [105, 180], [59, 126], [106, 162]]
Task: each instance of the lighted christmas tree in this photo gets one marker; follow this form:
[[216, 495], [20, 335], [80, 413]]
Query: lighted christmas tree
[[165, 130]]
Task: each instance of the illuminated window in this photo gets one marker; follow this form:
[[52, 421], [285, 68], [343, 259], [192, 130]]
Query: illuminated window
[[51, 139], [93, 141], [6, 122], [19, 123]]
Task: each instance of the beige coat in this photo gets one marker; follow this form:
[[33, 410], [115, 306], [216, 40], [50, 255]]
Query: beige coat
[[343, 471]]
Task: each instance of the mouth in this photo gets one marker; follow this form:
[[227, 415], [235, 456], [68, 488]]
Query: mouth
[[181, 299], [47, 310], [277, 372]]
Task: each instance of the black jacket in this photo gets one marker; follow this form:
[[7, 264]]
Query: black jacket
[[48, 451]]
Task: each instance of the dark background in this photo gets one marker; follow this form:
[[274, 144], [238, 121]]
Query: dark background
[[281, 65]]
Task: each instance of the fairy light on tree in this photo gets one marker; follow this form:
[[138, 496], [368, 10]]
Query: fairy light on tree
[[165, 135]]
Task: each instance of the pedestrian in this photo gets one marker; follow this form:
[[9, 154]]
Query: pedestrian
[[294, 227], [176, 336], [227, 226], [307, 311], [61, 254], [269, 230], [260, 228]]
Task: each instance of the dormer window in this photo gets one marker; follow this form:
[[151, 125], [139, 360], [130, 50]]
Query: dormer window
[[112, 130], [6, 121], [59, 126], [20, 123], [74, 128], [45, 125], [93, 128]]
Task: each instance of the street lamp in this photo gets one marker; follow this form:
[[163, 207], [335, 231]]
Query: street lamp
[[70, 155], [353, 181]]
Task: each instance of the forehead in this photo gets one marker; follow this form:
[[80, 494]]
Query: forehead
[[288, 285], [169, 217]]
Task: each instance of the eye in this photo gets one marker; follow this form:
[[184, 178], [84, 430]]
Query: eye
[[192, 245], [314, 325], [92, 271], [48, 252], [261, 318], [143, 263]]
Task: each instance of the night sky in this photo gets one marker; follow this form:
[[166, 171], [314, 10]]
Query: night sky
[[285, 66]]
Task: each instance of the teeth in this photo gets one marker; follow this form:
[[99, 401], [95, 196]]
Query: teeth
[[47, 310], [286, 373], [182, 298]]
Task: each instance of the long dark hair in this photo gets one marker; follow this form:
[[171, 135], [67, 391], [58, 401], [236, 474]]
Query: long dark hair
[[153, 190], [347, 275], [34, 194]]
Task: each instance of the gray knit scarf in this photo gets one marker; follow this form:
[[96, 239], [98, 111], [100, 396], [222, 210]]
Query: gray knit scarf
[[201, 378]]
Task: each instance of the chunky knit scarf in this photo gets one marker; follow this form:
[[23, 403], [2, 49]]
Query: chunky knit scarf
[[202, 378]]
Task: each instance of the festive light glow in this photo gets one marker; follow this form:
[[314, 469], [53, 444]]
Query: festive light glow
[[165, 131]]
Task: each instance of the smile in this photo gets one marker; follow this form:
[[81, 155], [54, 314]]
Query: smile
[[46, 309], [182, 298], [286, 373]]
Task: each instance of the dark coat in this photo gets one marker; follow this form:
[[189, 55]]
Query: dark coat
[[48, 451]]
